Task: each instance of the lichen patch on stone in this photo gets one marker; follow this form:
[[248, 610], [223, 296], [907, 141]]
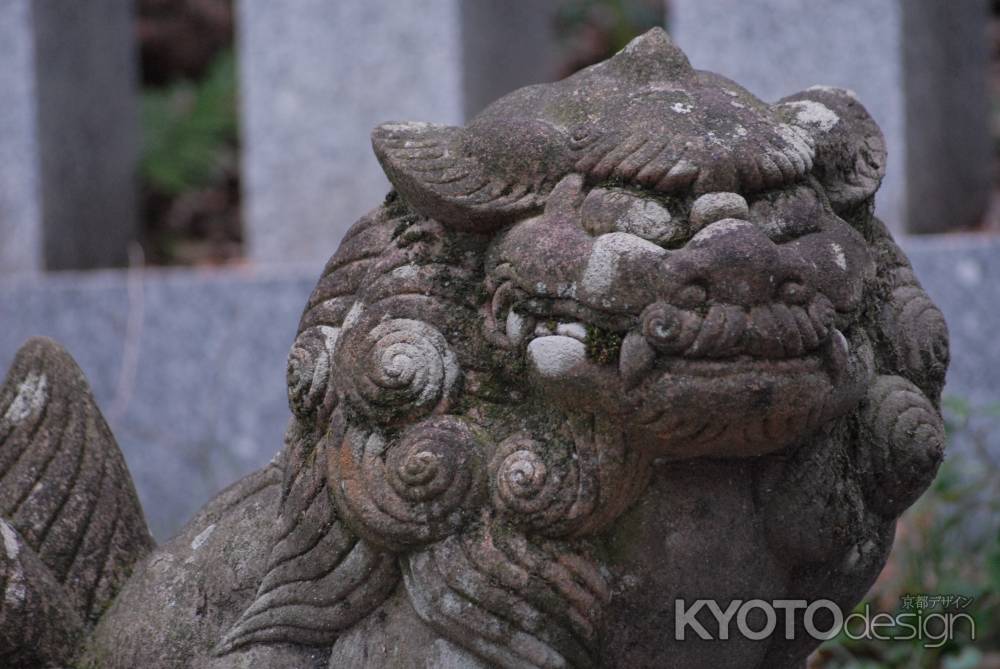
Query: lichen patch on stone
[[835, 90], [10, 543], [202, 537], [815, 114], [31, 396], [838, 256]]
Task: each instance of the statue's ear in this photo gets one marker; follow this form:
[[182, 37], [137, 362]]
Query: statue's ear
[[430, 166], [850, 148]]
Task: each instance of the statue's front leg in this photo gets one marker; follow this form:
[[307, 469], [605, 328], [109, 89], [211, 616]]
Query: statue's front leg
[[832, 506]]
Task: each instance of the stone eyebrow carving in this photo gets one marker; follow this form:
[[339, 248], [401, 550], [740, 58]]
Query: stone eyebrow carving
[[672, 129]]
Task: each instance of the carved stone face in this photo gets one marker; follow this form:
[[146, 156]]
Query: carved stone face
[[711, 324], [668, 249]]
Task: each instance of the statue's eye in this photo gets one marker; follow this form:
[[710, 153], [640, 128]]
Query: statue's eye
[[617, 210], [787, 215], [793, 292]]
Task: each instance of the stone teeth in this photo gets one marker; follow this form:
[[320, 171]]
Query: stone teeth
[[575, 330], [518, 327], [840, 343], [838, 350], [635, 358], [713, 207], [554, 357]]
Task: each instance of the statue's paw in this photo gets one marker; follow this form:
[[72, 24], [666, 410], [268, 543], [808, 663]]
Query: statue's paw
[[39, 626], [901, 445], [509, 599]]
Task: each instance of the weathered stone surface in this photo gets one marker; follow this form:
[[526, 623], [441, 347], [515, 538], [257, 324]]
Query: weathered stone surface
[[207, 573], [242, 396], [394, 638], [522, 431], [919, 65], [73, 526]]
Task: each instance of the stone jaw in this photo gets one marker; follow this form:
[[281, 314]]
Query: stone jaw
[[506, 378]]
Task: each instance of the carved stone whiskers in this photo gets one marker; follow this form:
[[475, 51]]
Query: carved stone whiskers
[[625, 339]]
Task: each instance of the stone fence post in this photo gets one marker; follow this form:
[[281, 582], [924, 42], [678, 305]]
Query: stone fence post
[[315, 79], [68, 134]]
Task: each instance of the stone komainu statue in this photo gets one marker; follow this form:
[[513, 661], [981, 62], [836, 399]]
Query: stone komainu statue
[[627, 338]]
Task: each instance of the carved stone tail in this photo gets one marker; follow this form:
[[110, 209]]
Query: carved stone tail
[[71, 522]]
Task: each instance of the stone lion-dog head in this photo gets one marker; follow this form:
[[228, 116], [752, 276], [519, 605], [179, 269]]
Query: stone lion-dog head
[[638, 299]]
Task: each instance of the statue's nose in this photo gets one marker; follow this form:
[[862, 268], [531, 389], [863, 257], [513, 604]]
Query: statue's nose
[[732, 261], [733, 291]]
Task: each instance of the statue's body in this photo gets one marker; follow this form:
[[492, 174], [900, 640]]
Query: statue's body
[[627, 338]]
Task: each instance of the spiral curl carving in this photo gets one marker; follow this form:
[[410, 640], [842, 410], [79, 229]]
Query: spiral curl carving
[[308, 372], [903, 446], [918, 330], [534, 483], [402, 369], [571, 487], [669, 329], [411, 491]]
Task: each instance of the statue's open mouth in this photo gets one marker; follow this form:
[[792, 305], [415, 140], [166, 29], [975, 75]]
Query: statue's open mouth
[[743, 405], [721, 381]]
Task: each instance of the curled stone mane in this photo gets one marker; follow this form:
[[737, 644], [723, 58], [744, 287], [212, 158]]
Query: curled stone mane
[[625, 340]]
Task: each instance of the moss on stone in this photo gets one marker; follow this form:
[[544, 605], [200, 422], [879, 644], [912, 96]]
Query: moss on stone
[[602, 345]]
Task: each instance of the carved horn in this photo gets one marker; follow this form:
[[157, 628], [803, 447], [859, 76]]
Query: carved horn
[[430, 166]]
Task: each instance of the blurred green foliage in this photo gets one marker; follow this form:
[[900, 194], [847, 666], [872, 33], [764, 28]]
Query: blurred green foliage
[[620, 20], [947, 544], [594, 30], [189, 129]]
